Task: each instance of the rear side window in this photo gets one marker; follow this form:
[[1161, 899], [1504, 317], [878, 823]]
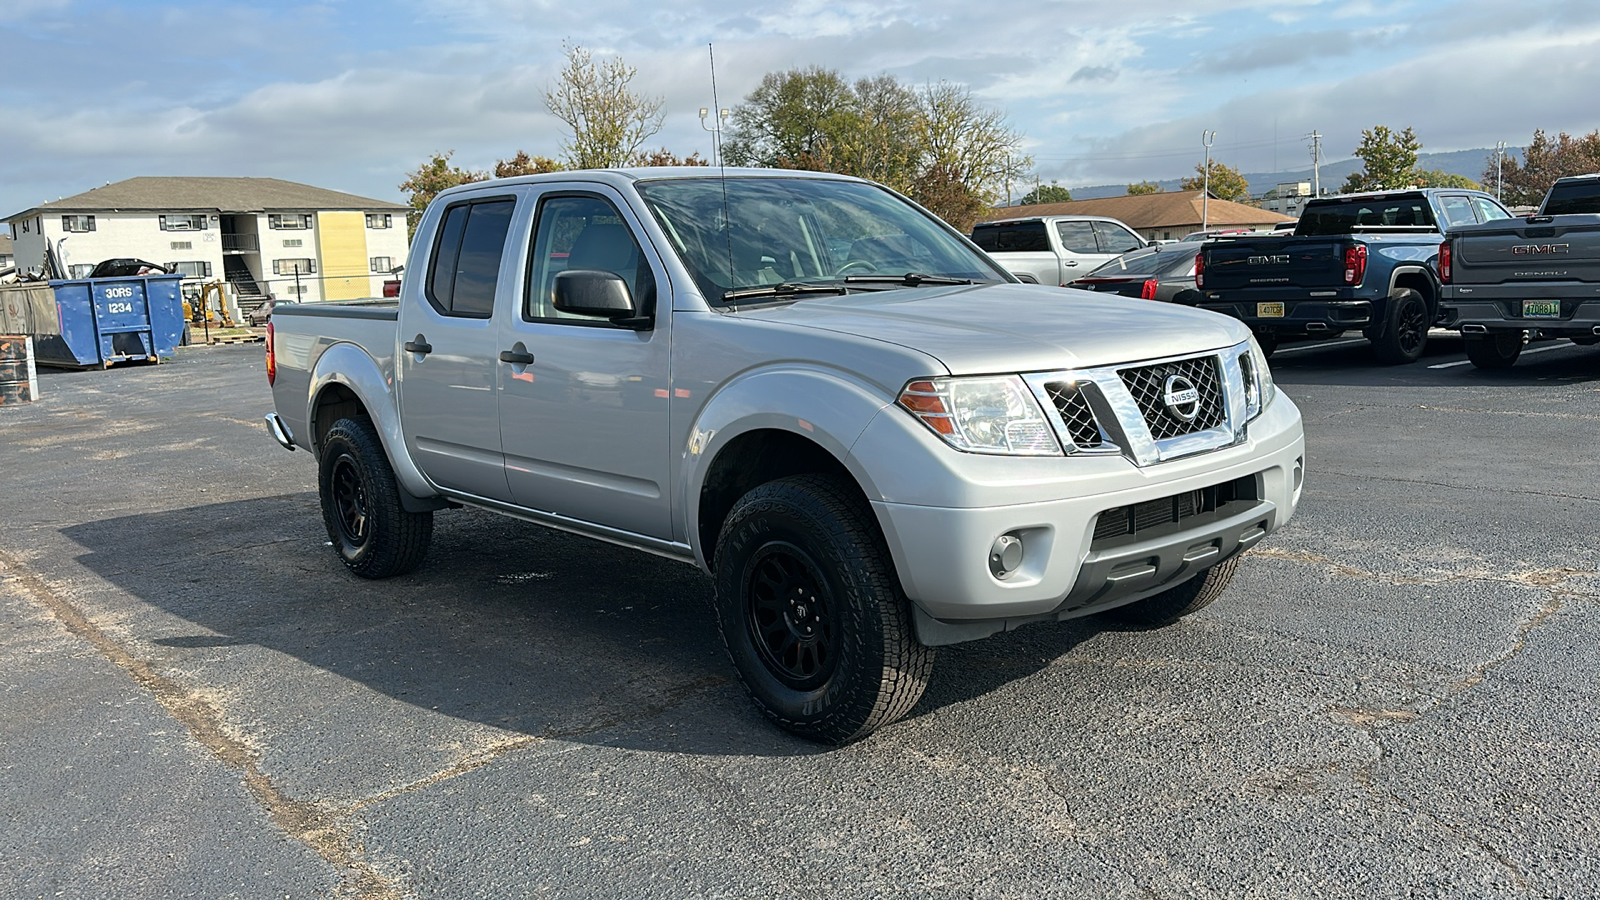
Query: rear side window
[[466, 258], [1489, 211], [1573, 197], [1015, 237], [1457, 210], [1077, 237], [1116, 239]]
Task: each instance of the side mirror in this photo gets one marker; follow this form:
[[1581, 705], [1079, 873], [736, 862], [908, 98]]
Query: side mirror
[[597, 294]]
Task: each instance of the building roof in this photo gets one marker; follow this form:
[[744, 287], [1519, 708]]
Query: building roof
[[1169, 209], [230, 195]]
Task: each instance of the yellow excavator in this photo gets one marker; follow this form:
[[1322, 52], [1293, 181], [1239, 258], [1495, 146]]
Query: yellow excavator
[[209, 308]]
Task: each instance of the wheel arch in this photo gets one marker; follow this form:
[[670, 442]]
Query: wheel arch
[[345, 380], [1420, 279]]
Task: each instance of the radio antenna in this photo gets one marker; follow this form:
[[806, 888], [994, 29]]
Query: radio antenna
[[722, 166]]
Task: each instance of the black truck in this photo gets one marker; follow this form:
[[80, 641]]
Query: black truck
[[1355, 261], [1508, 281]]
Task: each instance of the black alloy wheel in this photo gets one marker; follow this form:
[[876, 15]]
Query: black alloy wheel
[[368, 524], [791, 619], [350, 504], [1406, 334]]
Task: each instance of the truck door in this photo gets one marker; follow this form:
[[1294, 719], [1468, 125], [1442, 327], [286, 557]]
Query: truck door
[[449, 399], [584, 415]]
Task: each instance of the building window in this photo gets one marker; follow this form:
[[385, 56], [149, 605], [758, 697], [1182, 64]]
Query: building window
[[380, 220], [80, 271], [77, 224], [288, 221], [26, 228], [382, 263], [195, 269], [296, 289], [294, 267], [183, 223], [183, 245], [292, 242]]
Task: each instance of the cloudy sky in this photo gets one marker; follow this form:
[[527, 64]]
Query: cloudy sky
[[351, 94]]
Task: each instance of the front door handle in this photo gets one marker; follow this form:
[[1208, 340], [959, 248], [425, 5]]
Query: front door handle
[[1070, 262], [517, 357], [420, 345]]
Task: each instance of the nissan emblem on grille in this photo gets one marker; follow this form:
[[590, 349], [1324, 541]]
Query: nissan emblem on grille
[[1182, 398]]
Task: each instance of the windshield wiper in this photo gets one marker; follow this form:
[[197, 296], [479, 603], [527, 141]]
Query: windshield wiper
[[909, 279], [784, 289]]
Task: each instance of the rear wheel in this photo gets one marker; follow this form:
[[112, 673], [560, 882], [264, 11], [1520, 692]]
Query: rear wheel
[[1405, 331], [366, 522], [1174, 603], [811, 611], [1496, 350]]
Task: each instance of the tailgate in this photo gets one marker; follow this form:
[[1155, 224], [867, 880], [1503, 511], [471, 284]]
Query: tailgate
[[1559, 248], [1302, 262]]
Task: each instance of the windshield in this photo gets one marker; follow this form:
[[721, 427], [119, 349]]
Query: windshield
[[741, 233]]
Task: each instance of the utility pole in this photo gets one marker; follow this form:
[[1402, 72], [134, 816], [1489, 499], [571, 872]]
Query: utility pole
[[1316, 163], [1206, 137], [1499, 165]]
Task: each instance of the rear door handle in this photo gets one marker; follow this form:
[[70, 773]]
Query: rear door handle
[[516, 357], [420, 345]]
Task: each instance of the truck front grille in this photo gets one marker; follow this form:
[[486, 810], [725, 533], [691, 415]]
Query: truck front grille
[[1082, 429], [1148, 385]]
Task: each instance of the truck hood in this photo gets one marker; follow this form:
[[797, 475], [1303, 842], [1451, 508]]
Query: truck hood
[[992, 328]]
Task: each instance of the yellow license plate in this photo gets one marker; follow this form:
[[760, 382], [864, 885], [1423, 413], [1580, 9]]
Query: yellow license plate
[[1269, 310]]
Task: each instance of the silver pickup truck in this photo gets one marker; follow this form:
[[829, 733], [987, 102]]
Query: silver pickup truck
[[872, 437]]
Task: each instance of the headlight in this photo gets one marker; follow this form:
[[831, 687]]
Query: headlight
[[992, 414], [1258, 387]]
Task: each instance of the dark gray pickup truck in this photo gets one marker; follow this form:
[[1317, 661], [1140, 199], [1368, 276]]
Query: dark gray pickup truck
[[1507, 281]]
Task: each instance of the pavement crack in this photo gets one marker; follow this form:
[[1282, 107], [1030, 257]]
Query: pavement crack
[[312, 824], [477, 759]]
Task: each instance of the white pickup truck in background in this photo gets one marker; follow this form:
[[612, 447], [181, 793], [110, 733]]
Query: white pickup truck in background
[[873, 439], [1055, 249]]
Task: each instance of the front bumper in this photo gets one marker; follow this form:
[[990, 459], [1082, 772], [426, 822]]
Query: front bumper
[[942, 552]]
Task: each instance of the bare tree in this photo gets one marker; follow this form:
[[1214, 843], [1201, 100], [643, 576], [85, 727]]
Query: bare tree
[[968, 144], [609, 122]]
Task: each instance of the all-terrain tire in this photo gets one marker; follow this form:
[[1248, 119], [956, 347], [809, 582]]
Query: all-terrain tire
[[1495, 350], [1405, 330], [1174, 603], [368, 526], [812, 613]]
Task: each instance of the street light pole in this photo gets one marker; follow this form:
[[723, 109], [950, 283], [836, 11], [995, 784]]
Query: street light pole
[[1499, 163], [1206, 137], [716, 133]]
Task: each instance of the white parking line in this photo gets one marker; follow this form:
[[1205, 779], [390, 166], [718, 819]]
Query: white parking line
[[1467, 362], [1318, 346]]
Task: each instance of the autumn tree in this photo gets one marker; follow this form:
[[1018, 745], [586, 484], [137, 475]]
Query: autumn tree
[[523, 164], [665, 157], [1226, 183], [429, 179], [1439, 178], [1388, 158], [1046, 193], [1525, 182], [608, 121], [1145, 187]]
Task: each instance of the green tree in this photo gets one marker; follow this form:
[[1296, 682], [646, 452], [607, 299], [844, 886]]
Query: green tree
[[792, 118], [1441, 178], [428, 179], [1226, 182], [1144, 187], [523, 164], [1525, 182], [1047, 193], [1389, 160], [609, 122]]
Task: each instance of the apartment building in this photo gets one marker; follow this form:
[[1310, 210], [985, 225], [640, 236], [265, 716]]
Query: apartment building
[[264, 236]]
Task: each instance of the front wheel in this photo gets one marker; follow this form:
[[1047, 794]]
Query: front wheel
[[811, 611], [1405, 331], [373, 533], [1496, 350], [1173, 604]]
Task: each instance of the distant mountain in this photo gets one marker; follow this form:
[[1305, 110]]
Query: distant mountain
[[1459, 162]]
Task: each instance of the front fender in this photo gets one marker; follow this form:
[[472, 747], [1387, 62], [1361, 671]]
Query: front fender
[[346, 364], [825, 406]]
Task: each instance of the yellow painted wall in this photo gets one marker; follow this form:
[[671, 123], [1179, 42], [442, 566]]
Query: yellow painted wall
[[342, 255]]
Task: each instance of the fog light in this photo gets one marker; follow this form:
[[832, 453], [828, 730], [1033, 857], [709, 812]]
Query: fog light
[[1005, 557]]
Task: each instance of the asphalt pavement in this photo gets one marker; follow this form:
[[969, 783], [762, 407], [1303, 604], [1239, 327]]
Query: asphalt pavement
[[1395, 699]]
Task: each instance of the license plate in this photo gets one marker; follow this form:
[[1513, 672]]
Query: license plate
[[1269, 310], [1541, 309]]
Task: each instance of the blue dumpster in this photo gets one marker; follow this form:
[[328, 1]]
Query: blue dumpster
[[111, 320]]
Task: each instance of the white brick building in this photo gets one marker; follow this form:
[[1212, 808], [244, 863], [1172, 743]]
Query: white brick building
[[258, 234]]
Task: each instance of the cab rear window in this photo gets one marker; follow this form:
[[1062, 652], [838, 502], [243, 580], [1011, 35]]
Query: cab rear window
[[1572, 198], [1356, 213], [1014, 237]]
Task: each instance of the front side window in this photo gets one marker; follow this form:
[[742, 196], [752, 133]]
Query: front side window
[[583, 232], [77, 224], [1116, 239], [1077, 237], [466, 258], [294, 267], [183, 222], [1457, 210], [1489, 211]]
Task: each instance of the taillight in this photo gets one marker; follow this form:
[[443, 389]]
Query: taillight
[[272, 358], [1444, 262], [1148, 292], [1200, 269], [1355, 264]]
